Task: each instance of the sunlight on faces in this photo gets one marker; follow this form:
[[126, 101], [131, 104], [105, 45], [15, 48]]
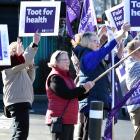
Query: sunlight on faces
[[63, 61], [90, 40], [94, 43], [13, 48]]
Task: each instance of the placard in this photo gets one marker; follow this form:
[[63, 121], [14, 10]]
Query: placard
[[132, 14], [115, 16], [41, 16], [4, 46]]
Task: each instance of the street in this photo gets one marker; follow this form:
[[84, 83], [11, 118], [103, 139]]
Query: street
[[39, 131]]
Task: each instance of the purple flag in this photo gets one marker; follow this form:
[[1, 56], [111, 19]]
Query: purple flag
[[112, 113], [135, 98], [73, 8], [68, 27], [88, 20]]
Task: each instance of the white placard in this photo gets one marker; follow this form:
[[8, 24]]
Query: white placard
[[115, 16], [132, 13], [40, 15], [4, 46]]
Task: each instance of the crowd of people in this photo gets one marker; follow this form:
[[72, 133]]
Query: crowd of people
[[68, 99]]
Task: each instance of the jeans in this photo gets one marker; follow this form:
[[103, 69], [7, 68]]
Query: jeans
[[67, 134], [20, 122], [135, 119]]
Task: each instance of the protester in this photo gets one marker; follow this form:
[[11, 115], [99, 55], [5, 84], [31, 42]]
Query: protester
[[75, 42], [104, 65], [132, 67], [63, 95], [18, 89], [90, 54], [108, 60]]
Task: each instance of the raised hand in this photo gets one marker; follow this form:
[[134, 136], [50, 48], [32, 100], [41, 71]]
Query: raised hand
[[121, 34], [20, 49], [36, 38], [88, 85], [125, 27]]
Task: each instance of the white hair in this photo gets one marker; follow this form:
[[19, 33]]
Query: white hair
[[54, 58]]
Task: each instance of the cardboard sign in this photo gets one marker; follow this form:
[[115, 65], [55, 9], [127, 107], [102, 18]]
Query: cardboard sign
[[116, 16], [4, 43], [132, 14], [41, 16]]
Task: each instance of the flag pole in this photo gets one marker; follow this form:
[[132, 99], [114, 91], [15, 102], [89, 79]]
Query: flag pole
[[113, 89], [114, 66], [112, 75]]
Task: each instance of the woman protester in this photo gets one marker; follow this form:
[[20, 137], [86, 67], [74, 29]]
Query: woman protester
[[63, 95], [18, 90], [90, 54]]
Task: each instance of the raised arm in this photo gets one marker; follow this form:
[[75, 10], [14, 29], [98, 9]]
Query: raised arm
[[30, 51], [28, 54], [125, 28]]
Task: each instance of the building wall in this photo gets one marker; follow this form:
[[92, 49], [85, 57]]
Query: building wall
[[9, 15]]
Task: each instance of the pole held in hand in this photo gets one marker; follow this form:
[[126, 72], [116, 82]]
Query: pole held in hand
[[114, 66]]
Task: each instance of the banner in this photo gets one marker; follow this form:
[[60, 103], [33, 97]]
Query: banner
[[130, 99], [135, 98], [73, 9], [132, 14], [41, 16], [88, 20], [68, 26], [115, 16], [4, 43]]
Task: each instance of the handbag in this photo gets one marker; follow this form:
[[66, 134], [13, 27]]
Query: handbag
[[56, 125]]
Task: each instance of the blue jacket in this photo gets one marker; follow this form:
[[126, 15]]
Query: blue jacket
[[91, 66], [90, 60]]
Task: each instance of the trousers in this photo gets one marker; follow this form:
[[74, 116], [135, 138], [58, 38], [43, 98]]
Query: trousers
[[135, 119], [20, 115], [67, 133]]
